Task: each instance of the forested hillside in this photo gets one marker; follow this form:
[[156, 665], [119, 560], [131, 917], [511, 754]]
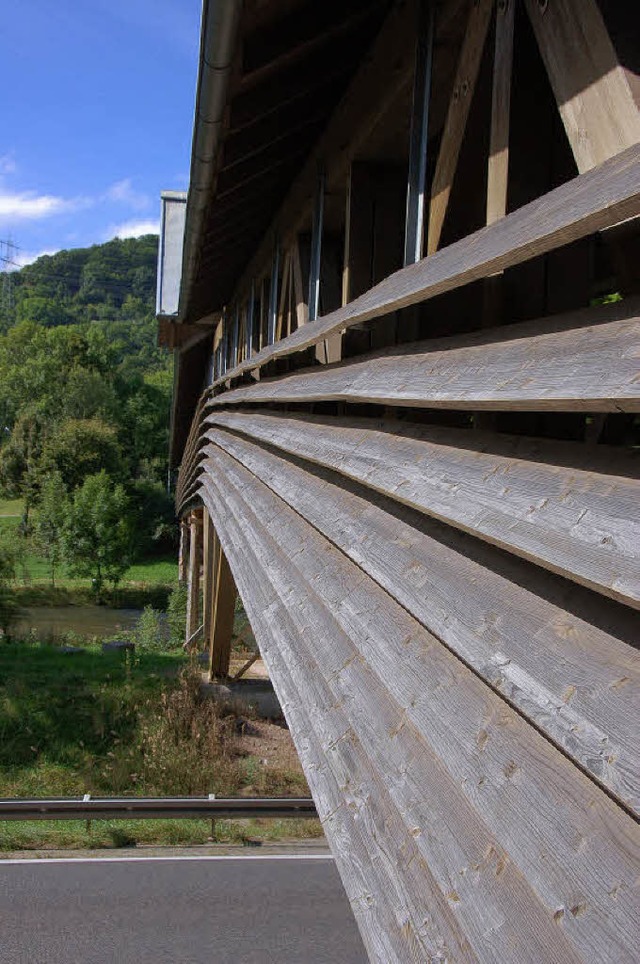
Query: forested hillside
[[85, 391]]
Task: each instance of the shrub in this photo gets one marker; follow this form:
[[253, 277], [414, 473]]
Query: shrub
[[188, 743], [149, 632], [177, 614]]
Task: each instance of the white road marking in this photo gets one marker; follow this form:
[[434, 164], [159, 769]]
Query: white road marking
[[138, 860]]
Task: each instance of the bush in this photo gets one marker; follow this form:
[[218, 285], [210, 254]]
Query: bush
[[177, 614], [149, 633]]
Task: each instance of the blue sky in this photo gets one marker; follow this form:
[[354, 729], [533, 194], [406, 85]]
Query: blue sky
[[96, 112]]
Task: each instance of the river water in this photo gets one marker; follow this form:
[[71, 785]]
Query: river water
[[49, 621]]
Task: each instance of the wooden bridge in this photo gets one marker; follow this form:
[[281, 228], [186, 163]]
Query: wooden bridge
[[405, 414]]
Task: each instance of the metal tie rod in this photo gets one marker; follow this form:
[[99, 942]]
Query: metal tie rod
[[155, 808]]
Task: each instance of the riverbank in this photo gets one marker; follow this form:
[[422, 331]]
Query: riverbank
[[113, 724]]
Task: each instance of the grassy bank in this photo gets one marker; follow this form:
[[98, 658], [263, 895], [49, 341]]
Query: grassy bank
[[146, 583], [110, 724]]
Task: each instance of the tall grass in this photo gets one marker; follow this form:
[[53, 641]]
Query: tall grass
[[117, 724]]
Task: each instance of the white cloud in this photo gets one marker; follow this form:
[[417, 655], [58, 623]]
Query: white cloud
[[29, 206], [133, 229], [123, 192]]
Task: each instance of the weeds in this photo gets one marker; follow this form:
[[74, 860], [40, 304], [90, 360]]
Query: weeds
[[117, 724]]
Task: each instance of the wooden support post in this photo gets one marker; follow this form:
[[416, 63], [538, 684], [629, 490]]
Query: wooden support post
[[193, 575], [498, 166], [497, 178], [208, 576], [591, 88], [273, 295], [223, 613], [299, 298], [183, 552], [249, 322], [235, 336], [316, 249], [459, 106]]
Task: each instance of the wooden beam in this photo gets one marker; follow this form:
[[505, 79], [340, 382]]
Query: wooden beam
[[459, 106], [222, 623], [209, 560], [587, 204], [584, 361], [498, 171], [193, 575], [592, 91], [455, 587]]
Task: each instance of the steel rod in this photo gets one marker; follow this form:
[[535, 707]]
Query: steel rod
[[414, 224]]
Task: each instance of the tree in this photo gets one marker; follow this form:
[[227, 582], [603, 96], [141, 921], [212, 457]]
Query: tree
[[53, 507], [80, 447], [98, 535]]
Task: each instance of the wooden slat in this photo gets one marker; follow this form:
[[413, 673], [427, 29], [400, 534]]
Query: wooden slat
[[584, 525], [583, 361], [596, 104], [578, 683], [455, 125], [524, 828], [591, 202]]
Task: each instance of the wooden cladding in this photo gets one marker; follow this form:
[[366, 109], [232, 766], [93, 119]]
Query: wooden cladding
[[404, 743]]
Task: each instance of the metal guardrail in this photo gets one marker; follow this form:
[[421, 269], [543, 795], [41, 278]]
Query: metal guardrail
[[155, 808]]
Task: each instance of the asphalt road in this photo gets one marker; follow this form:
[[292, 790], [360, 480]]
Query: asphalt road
[[245, 910]]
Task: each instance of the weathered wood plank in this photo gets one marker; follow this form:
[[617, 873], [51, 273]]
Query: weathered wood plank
[[583, 361], [584, 525], [596, 104], [577, 682], [441, 742], [591, 202], [456, 122]]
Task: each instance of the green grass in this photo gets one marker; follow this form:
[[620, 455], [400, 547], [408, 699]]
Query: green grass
[[10, 508], [34, 571], [112, 725], [103, 834]]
